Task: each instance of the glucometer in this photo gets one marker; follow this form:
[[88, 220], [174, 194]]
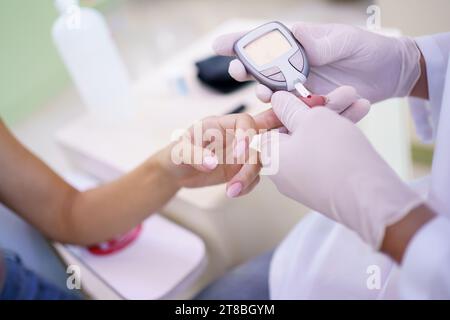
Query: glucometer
[[273, 56]]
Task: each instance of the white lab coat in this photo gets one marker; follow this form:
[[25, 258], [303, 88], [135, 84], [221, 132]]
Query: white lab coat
[[321, 259]]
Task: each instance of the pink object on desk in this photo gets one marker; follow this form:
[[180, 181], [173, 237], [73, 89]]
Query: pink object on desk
[[116, 244]]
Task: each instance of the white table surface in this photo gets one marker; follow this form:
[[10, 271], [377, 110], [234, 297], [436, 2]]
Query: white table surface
[[160, 263]]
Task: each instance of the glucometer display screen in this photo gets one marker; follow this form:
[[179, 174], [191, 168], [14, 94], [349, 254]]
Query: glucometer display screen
[[267, 48]]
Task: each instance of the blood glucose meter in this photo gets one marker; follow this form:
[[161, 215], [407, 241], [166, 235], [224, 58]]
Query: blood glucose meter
[[273, 56]]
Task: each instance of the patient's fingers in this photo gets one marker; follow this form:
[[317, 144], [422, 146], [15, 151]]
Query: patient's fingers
[[245, 130], [229, 136], [241, 128], [223, 45], [250, 187], [267, 120], [201, 159], [243, 179], [314, 100]]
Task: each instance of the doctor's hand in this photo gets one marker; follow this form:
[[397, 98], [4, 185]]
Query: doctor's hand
[[377, 66], [327, 164]]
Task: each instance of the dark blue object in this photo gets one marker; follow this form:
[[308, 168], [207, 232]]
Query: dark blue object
[[21, 283]]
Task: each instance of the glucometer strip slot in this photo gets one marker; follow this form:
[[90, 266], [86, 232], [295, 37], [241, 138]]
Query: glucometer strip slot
[[305, 93]]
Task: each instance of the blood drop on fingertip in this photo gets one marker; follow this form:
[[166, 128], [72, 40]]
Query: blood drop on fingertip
[[314, 100]]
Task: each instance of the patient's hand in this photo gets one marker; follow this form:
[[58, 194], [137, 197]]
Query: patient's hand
[[216, 150]]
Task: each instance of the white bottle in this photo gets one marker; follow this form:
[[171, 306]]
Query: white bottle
[[92, 59]]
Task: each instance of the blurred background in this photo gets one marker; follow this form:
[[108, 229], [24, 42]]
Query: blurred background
[[38, 98], [148, 31]]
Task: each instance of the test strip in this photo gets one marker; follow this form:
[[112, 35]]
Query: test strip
[[302, 90]]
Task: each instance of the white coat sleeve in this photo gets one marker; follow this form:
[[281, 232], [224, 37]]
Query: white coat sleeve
[[426, 265], [425, 271], [436, 52]]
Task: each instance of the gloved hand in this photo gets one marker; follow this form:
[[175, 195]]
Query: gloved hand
[[327, 164], [378, 67]]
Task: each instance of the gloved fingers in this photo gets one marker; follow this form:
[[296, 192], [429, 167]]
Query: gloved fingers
[[224, 44], [341, 98], [237, 71], [269, 146], [288, 108], [312, 37], [324, 43], [243, 179], [345, 101], [306, 31], [263, 93], [322, 82], [357, 110]]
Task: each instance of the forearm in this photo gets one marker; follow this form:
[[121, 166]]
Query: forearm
[[64, 214], [398, 235], [117, 207], [420, 89], [36, 193]]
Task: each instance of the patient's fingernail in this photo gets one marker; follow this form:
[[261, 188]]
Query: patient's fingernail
[[239, 149], [210, 162], [234, 190]]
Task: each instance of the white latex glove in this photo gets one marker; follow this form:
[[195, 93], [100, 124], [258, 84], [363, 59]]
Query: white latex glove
[[327, 164], [378, 67]]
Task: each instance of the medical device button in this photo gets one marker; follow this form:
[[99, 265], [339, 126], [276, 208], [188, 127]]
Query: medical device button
[[296, 60], [278, 77], [270, 71]]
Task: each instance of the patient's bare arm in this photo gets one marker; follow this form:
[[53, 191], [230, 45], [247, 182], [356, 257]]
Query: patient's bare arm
[[36, 193], [420, 89]]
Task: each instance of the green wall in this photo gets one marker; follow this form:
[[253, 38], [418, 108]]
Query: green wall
[[30, 69]]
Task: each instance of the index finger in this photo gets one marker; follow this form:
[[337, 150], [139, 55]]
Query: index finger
[[269, 120], [224, 44]]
